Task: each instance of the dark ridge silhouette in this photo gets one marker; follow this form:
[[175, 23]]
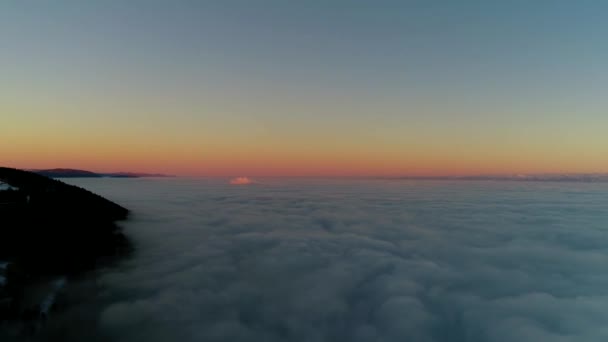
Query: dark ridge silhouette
[[53, 224], [134, 175], [549, 177], [75, 173], [50, 229], [67, 173]]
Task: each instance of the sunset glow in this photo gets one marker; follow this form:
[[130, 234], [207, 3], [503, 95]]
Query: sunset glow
[[241, 181], [303, 90]]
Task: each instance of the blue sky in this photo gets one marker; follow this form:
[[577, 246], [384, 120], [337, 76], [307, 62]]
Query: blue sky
[[502, 72]]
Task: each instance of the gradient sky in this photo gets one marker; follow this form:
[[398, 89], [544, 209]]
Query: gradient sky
[[305, 87]]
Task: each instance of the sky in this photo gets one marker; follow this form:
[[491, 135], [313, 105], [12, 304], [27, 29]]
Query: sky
[[307, 88]]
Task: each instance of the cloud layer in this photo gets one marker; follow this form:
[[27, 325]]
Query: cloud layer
[[360, 261]]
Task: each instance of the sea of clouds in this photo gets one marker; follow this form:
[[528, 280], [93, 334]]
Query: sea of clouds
[[378, 260]]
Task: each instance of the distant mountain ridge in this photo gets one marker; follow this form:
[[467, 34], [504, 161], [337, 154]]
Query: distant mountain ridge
[[545, 177], [75, 173]]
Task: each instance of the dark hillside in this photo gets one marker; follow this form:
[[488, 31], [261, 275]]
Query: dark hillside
[[49, 231], [55, 227], [67, 173]]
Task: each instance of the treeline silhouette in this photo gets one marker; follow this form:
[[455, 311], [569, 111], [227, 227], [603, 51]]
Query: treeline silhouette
[[49, 229], [47, 226]]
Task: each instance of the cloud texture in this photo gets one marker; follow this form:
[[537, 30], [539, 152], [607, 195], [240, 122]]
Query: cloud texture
[[365, 261]]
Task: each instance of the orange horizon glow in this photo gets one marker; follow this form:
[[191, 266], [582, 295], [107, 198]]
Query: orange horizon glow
[[232, 156], [268, 167], [230, 152], [358, 148]]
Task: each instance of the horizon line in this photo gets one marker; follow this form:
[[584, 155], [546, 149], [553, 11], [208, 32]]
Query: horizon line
[[469, 176]]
